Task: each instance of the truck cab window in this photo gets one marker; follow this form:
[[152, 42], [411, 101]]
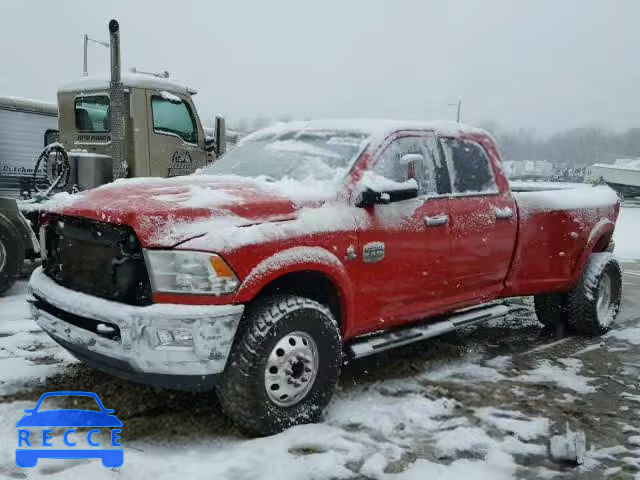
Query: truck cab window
[[469, 167], [390, 165], [92, 114], [172, 117]]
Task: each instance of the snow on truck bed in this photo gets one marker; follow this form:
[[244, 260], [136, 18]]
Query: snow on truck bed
[[546, 196]]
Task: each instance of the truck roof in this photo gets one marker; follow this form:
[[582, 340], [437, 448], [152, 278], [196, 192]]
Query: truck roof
[[373, 127], [136, 80], [28, 105]]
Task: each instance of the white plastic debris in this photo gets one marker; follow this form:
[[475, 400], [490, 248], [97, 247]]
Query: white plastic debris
[[569, 447], [102, 328]]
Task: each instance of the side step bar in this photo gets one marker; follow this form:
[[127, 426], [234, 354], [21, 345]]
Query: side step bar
[[395, 338]]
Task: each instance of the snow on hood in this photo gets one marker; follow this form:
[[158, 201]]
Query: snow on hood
[[166, 211]]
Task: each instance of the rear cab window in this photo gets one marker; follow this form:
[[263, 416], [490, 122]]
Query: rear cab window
[[92, 114], [172, 116], [469, 167]]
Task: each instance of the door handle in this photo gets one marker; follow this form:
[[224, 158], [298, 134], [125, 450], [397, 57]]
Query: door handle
[[504, 213], [436, 221]]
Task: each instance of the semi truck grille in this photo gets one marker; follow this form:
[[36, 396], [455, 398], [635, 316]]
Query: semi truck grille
[[98, 259]]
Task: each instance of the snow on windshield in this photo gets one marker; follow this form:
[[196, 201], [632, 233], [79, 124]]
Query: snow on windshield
[[299, 155]]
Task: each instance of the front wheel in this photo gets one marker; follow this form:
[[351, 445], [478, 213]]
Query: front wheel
[[284, 365], [595, 302]]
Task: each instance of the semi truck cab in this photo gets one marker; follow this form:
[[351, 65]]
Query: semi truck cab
[[163, 137], [110, 127]]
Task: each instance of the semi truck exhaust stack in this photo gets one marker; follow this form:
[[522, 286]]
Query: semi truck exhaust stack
[[118, 107]]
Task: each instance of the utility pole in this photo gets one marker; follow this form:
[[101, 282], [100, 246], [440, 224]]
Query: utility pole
[[86, 41], [459, 105]]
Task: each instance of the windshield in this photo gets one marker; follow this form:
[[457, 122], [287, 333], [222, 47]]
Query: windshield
[[299, 155]]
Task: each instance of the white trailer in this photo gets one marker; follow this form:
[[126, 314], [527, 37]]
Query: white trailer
[[623, 176], [26, 126]]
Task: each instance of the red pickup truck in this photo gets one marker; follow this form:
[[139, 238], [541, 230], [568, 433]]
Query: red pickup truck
[[310, 241]]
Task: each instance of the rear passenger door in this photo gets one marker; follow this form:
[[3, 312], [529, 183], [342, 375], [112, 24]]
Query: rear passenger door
[[483, 223]]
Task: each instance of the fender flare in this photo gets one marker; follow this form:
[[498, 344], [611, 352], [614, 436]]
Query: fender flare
[[601, 229], [301, 259]]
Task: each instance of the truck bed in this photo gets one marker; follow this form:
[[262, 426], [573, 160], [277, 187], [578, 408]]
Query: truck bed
[[558, 226]]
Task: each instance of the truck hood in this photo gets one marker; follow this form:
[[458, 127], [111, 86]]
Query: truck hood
[[166, 212]]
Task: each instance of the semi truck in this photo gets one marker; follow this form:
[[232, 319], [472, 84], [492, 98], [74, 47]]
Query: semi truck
[[128, 125]]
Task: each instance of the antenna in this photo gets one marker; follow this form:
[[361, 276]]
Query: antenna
[[163, 74]]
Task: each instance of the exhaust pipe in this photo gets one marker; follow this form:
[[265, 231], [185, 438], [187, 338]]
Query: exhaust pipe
[[114, 40], [118, 107]]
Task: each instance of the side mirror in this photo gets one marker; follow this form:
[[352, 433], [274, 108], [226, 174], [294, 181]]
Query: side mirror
[[220, 136], [414, 163], [210, 144], [370, 197]]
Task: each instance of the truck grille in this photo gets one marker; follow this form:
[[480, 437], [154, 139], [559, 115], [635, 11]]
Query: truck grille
[[98, 259]]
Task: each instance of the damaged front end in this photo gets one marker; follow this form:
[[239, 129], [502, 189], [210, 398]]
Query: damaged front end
[[93, 296]]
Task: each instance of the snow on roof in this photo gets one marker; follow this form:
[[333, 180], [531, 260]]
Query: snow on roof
[[29, 104], [372, 127], [140, 80]]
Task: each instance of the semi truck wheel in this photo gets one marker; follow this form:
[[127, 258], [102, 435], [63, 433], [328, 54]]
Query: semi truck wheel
[[11, 256], [594, 303], [284, 365], [551, 310]]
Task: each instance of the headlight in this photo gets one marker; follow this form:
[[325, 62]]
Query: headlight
[[178, 271]]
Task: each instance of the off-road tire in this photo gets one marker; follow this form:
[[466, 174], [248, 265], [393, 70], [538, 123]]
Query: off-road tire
[[11, 256], [552, 311], [584, 315], [242, 391]]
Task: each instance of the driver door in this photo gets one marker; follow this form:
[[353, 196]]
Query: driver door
[[176, 140], [407, 279]]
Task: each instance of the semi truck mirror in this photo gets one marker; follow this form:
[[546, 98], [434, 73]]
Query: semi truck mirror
[[221, 136]]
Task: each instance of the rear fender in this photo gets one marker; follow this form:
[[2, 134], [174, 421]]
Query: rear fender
[[601, 231], [300, 259]]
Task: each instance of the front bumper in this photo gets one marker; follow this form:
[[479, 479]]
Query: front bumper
[[123, 339]]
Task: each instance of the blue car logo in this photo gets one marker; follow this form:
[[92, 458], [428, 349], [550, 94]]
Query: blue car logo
[[30, 439]]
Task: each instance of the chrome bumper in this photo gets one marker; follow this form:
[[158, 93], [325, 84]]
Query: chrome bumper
[[212, 327]]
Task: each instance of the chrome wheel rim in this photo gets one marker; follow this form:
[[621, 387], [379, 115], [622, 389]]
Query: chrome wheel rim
[[604, 306], [3, 257], [291, 369]]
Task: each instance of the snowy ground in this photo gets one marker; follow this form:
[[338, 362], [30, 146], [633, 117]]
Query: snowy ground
[[480, 404]]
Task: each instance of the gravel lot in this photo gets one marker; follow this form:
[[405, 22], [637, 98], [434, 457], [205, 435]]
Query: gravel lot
[[481, 402]]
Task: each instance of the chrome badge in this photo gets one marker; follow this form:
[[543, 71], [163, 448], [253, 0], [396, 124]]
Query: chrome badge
[[373, 252]]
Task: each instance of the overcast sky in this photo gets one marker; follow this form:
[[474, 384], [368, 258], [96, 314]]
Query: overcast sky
[[540, 64]]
